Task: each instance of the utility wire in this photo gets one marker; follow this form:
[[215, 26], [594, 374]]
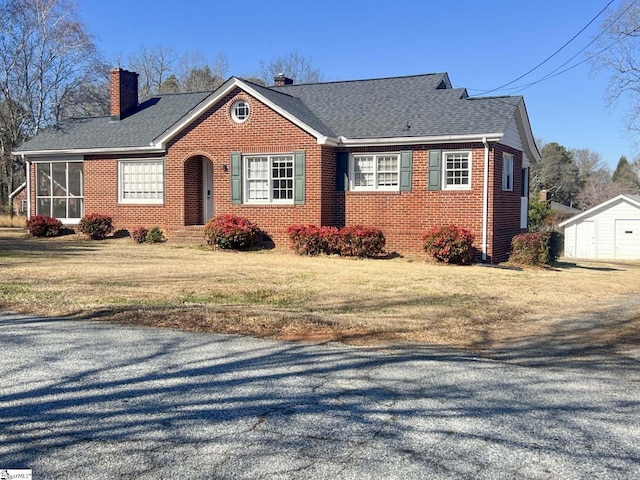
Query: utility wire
[[557, 71], [550, 56]]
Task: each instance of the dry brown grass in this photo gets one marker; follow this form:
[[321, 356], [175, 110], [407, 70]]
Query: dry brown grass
[[281, 295], [16, 221]]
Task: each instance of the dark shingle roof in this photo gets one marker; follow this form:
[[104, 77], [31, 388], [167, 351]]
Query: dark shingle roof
[[357, 109], [152, 118], [382, 108]]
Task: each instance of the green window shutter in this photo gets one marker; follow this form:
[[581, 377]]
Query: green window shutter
[[236, 177], [406, 166], [342, 165], [299, 177], [435, 169]]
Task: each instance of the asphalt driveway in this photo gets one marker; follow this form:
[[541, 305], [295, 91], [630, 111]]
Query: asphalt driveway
[[83, 399]]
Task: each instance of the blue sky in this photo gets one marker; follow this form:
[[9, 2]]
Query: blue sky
[[482, 44]]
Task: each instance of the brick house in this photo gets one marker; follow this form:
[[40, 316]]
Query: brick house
[[402, 154]]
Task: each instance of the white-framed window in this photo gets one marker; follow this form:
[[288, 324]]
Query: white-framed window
[[268, 178], [141, 181], [23, 206], [60, 190], [507, 172], [240, 111], [369, 171], [456, 171]]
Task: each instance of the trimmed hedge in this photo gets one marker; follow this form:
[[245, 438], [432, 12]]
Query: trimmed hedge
[[360, 241], [312, 240], [151, 235], [350, 241], [96, 226], [449, 244], [534, 248], [231, 232], [139, 234], [44, 226]]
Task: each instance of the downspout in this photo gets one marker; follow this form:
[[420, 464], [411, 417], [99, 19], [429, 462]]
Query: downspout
[[485, 201], [28, 172]]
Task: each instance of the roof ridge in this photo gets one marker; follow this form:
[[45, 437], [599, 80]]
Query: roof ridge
[[364, 79]]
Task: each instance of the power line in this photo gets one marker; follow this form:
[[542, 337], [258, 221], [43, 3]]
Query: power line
[[553, 73], [552, 55]]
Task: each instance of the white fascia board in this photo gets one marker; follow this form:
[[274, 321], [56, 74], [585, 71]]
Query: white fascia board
[[366, 142], [88, 151], [601, 206], [526, 134], [17, 190], [215, 97]]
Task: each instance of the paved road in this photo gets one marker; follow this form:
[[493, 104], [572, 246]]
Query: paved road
[[89, 400]]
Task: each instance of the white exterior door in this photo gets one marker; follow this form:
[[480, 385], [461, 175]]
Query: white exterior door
[[586, 240], [627, 239], [207, 189]]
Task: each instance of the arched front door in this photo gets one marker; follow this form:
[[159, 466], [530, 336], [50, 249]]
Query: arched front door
[[207, 190]]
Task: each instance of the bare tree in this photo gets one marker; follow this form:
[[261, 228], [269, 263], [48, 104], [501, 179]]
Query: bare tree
[[45, 53], [153, 65], [619, 53], [293, 65]]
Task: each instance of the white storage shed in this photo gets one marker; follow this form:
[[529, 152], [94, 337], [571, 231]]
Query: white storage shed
[[609, 231]]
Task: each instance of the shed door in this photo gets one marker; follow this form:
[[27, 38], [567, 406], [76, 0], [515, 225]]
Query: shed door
[[627, 239], [586, 239]]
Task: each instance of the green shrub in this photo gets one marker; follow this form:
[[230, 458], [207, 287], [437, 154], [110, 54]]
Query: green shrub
[[139, 234], [44, 226], [360, 241], [96, 226], [231, 232], [154, 235], [449, 244], [533, 248]]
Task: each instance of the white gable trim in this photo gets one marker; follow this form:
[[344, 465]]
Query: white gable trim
[[526, 134], [220, 93], [601, 206]]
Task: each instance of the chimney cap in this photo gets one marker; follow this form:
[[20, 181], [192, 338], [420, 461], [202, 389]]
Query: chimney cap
[[281, 80]]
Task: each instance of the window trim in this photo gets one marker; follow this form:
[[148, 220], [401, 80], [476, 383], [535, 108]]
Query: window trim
[[375, 187], [234, 111], [140, 201], [51, 197], [445, 154], [507, 173], [270, 201]]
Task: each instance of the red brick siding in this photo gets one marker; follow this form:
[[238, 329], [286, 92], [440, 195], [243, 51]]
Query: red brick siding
[[193, 208], [505, 214], [215, 135], [101, 195], [123, 93], [403, 216]]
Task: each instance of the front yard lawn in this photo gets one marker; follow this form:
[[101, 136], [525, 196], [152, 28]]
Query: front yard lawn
[[281, 295]]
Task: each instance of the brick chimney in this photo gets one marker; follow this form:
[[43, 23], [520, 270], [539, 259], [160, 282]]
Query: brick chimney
[[281, 80], [124, 92]]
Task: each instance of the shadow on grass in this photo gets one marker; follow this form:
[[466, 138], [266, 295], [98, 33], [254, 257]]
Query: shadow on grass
[[100, 386]]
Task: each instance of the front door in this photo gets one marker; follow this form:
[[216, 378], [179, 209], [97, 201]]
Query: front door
[[207, 190]]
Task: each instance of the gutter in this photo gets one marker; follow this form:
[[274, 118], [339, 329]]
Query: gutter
[[485, 200], [489, 137]]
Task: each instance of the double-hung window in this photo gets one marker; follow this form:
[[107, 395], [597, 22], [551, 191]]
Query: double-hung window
[[269, 178], [375, 171], [141, 181], [60, 190], [457, 170], [507, 172]]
